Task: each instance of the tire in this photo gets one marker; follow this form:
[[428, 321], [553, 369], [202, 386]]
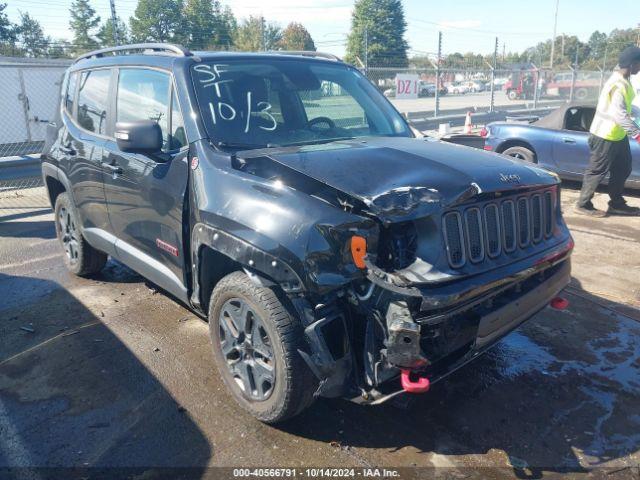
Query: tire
[[581, 94], [80, 257], [521, 153], [251, 330], [512, 94]]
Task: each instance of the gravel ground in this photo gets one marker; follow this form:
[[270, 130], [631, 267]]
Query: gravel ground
[[109, 372]]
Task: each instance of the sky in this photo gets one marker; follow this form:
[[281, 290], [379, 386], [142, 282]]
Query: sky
[[466, 25]]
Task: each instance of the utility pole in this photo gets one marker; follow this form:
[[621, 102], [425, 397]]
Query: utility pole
[[493, 76], [114, 21], [264, 34], [366, 50], [562, 47], [553, 40], [438, 60], [504, 48]]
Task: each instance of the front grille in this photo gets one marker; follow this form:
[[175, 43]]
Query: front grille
[[454, 239], [499, 227], [473, 226]]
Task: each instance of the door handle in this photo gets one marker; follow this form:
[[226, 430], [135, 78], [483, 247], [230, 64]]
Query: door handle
[[568, 140], [115, 169]]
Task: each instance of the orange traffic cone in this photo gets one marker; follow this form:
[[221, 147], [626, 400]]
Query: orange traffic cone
[[467, 123]]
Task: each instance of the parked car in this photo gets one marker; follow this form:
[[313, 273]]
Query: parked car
[[557, 142], [457, 88], [332, 252], [427, 89], [475, 86]]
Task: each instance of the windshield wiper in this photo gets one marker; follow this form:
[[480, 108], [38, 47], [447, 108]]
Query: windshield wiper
[[241, 146], [317, 141]]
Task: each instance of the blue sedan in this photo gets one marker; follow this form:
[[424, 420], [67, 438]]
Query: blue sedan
[[557, 142]]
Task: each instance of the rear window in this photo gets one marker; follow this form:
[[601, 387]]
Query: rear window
[[92, 100]]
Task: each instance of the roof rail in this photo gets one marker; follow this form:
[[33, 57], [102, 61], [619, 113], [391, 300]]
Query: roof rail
[[307, 53], [155, 47]]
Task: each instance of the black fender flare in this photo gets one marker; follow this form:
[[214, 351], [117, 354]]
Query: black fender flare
[[264, 266], [53, 171]]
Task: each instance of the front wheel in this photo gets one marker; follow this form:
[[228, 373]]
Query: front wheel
[[80, 257], [256, 338], [521, 153], [512, 94]]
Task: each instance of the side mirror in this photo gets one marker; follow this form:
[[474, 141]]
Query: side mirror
[[143, 136]]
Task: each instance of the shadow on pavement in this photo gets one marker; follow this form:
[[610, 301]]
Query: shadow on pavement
[[44, 229], [562, 393], [74, 395]]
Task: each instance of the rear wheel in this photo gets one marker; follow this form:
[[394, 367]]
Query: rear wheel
[[512, 94], [80, 257], [521, 153], [256, 339]]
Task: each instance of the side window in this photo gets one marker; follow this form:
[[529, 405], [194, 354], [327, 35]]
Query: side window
[[93, 97], [177, 137], [144, 95], [70, 94]]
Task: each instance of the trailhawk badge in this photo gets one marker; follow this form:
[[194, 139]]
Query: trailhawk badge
[[511, 178]]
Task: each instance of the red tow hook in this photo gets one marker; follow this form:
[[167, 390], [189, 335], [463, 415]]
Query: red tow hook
[[559, 303], [409, 386]]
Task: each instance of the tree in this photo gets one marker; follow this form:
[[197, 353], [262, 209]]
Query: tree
[[255, 34], [207, 25], [8, 32], [157, 21], [59, 49], [83, 21], [31, 38], [296, 37], [380, 26], [105, 34]]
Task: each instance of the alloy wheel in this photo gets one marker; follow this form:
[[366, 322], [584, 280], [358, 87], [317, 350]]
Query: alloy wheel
[[68, 234], [247, 349]]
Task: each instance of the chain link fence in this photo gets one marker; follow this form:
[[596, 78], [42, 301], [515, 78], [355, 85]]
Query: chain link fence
[[30, 96], [455, 91]]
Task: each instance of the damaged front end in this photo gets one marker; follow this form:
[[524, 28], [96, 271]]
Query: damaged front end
[[432, 297], [415, 281]]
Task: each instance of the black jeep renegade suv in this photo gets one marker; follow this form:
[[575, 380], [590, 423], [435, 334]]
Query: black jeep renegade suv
[[282, 197]]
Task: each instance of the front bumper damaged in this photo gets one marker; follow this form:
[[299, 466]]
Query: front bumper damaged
[[470, 315]]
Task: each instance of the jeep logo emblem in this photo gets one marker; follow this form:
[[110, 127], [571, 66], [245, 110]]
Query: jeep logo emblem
[[511, 178]]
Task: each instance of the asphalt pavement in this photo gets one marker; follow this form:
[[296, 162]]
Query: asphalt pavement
[[111, 372]]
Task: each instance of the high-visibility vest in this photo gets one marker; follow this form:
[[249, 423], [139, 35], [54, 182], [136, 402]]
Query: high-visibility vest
[[603, 125]]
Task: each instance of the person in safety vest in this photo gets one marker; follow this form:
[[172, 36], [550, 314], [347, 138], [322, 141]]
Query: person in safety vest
[[609, 140]]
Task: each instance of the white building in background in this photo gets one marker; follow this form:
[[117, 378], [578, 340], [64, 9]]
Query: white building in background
[[29, 98]]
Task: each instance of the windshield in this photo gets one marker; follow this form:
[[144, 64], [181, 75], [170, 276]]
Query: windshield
[[267, 102]]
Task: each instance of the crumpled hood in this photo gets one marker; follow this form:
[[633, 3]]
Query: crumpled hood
[[405, 178]]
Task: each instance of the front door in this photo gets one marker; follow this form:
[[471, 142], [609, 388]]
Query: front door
[[145, 193], [571, 151]]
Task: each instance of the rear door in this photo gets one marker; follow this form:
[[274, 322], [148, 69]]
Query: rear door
[[146, 193], [82, 145]]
